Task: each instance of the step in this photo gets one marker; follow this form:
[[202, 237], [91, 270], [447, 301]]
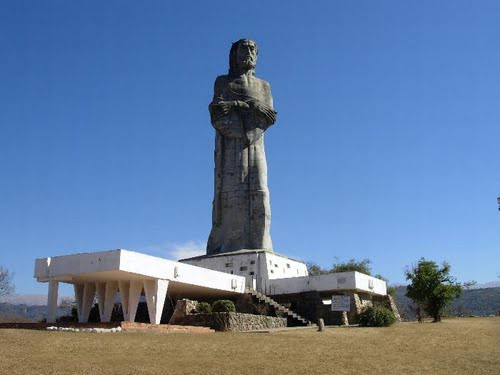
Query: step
[[277, 306]]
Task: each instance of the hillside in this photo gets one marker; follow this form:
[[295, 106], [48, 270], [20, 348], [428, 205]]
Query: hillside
[[10, 312], [480, 302]]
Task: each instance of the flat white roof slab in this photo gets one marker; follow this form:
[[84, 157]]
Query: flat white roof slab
[[329, 283], [115, 265]]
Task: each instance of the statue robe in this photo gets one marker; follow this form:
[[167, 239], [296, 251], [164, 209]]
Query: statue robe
[[241, 214]]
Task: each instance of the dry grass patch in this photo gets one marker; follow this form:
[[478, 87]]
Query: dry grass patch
[[457, 346]]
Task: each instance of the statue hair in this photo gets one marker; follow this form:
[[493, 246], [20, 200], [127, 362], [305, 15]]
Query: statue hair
[[233, 68]]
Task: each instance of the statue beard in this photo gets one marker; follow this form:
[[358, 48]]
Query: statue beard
[[247, 64]]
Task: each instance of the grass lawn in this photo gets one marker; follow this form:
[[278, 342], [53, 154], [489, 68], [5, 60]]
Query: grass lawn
[[455, 346]]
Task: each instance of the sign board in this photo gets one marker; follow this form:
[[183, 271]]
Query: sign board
[[341, 303]]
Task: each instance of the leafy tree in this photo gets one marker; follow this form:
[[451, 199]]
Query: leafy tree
[[314, 270], [431, 287], [362, 266], [6, 286]]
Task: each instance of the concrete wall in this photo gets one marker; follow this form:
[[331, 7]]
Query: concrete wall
[[128, 265], [330, 282], [370, 284], [180, 272], [279, 267], [107, 272], [256, 264], [246, 264], [67, 265]]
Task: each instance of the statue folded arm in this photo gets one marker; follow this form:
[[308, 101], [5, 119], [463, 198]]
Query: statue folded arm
[[222, 111], [228, 107]]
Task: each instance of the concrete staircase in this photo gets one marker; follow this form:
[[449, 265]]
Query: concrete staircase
[[299, 320]]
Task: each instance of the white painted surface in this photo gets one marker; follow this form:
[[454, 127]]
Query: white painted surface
[[133, 298], [78, 288], [101, 291], [130, 273], [84, 296], [156, 291], [370, 283], [124, 265], [331, 282], [52, 300], [254, 264], [104, 273], [279, 267], [124, 288], [109, 299], [242, 264]]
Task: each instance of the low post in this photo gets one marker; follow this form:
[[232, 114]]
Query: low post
[[321, 325], [345, 320]]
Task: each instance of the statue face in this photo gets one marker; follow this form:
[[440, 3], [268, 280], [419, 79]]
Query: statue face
[[246, 54]]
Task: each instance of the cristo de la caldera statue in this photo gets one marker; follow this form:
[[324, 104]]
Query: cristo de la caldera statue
[[240, 259], [241, 111]]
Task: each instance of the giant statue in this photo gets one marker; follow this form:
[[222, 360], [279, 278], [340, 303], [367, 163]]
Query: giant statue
[[241, 111]]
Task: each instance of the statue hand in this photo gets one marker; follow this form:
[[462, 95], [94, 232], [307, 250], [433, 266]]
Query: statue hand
[[242, 105], [223, 108], [264, 111]]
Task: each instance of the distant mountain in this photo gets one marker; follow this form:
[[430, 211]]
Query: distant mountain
[[480, 302], [10, 312], [28, 299], [491, 284]]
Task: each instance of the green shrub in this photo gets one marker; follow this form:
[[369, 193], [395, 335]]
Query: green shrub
[[203, 308], [391, 291], [376, 316], [223, 305]]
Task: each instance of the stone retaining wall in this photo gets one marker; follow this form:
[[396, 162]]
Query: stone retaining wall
[[185, 314], [234, 322]]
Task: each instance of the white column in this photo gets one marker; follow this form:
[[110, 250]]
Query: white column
[[109, 300], [52, 301], [133, 298], [156, 291], [79, 299], [88, 301], [101, 298], [124, 287]]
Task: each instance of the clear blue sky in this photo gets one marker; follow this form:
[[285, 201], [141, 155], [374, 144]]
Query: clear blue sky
[[387, 143]]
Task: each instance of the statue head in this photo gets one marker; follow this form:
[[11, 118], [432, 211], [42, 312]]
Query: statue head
[[243, 56]]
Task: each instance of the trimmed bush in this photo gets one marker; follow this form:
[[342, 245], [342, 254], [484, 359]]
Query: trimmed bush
[[223, 305], [203, 308], [376, 316]]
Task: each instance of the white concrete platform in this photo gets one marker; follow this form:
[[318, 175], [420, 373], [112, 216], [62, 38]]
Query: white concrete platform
[[333, 282], [257, 266], [107, 272], [275, 274]]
